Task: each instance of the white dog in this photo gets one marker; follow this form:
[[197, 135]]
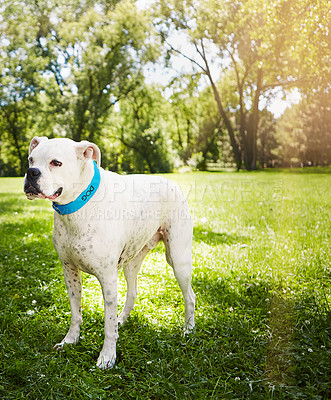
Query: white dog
[[104, 221]]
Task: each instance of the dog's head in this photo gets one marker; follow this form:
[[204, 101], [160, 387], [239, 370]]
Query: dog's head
[[57, 167]]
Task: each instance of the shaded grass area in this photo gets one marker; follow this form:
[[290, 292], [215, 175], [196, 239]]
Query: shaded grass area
[[261, 273]]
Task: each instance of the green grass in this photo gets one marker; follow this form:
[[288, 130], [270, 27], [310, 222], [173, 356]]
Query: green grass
[[261, 273]]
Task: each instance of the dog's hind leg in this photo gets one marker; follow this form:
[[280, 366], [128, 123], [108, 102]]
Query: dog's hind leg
[[130, 272], [177, 238]]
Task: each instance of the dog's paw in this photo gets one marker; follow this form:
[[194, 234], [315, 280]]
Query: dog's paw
[[122, 320], [188, 330], [65, 341], [59, 346], [106, 361]]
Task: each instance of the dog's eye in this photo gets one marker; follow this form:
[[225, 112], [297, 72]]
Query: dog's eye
[[30, 160], [56, 163]]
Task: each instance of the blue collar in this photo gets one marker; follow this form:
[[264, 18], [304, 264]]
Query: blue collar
[[83, 198]]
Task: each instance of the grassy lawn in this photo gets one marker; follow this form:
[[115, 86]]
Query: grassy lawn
[[261, 273]]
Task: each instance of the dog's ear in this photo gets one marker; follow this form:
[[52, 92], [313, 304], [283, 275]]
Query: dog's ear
[[35, 141], [88, 150]]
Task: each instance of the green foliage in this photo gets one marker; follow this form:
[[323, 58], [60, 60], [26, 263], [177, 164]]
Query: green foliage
[[267, 144], [304, 132], [197, 130], [261, 273], [78, 61], [19, 83], [308, 27], [141, 127], [185, 104], [104, 47], [258, 41], [76, 68]]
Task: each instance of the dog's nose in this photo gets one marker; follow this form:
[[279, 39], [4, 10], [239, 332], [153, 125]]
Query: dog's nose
[[33, 173]]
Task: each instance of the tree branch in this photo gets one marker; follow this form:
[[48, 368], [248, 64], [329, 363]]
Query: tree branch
[[182, 54], [283, 84]]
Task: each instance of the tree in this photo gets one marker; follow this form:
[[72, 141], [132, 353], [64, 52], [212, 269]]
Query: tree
[[246, 37], [20, 80], [141, 127], [197, 130], [70, 60], [304, 132], [186, 111], [315, 116], [207, 143], [267, 143], [103, 47], [94, 51]]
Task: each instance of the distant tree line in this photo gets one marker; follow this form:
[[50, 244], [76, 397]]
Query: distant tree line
[[74, 68]]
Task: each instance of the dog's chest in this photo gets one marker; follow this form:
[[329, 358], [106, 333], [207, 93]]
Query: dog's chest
[[78, 247]]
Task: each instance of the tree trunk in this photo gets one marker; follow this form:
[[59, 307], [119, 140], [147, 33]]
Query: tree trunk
[[18, 151], [150, 165], [180, 142], [14, 131], [227, 122], [250, 151], [142, 152], [188, 140]]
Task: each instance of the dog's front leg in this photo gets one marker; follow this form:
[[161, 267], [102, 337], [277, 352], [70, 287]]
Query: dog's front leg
[[72, 277], [107, 355]]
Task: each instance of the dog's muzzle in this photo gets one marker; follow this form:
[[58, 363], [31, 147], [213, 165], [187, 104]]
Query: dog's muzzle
[[32, 174], [31, 181]]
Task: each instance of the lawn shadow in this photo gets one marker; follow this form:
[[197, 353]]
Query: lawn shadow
[[228, 292], [214, 238], [225, 341]]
